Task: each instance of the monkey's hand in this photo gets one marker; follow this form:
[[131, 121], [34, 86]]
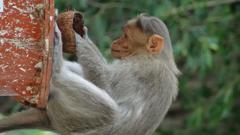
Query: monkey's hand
[[57, 53], [83, 40], [57, 36]]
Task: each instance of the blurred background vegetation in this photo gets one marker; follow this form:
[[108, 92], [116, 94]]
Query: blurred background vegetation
[[206, 41]]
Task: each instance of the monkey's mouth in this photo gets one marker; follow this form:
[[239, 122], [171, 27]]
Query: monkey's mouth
[[119, 50], [116, 53], [114, 50]]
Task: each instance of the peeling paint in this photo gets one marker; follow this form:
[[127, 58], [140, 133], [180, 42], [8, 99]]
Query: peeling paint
[[29, 88], [3, 32], [31, 16], [47, 44], [34, 99], [20, 43], [51, 18], [39, 65], [24, 70]]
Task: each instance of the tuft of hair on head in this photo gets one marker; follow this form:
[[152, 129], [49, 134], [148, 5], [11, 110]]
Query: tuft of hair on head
[[152, 25]]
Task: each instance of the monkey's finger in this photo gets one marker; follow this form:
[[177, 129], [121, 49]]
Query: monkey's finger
[[57, 31], [85, 29], [57, 38], [85, 36], [79, 39], [56, 14]]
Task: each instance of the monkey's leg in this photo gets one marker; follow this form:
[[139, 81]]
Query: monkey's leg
[[29, 119], [73, 67], [78, 105]]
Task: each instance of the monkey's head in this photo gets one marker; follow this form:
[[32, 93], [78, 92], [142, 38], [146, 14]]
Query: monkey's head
[[135, 41], [146, 35]]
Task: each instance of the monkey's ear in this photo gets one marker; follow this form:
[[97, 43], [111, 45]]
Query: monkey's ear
[[155, 44]]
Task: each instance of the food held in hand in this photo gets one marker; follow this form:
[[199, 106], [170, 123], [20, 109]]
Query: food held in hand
[[68, 22]]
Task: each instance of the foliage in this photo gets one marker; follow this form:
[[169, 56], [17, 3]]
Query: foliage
[[30, 132], [206, 39]]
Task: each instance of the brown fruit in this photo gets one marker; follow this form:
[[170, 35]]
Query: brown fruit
[[67, 23]]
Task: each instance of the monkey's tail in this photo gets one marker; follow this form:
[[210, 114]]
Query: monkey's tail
[[29, 119]]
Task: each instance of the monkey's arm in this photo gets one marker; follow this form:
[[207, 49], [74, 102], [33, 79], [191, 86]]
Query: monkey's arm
[[93, 46], [94, 64]]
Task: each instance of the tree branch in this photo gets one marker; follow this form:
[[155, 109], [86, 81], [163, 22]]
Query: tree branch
[[193, 6]]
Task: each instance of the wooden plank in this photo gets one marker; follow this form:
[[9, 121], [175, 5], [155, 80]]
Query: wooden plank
[[26, 36]]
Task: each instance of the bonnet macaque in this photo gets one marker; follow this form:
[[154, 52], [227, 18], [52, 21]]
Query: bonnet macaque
[[130, 96]]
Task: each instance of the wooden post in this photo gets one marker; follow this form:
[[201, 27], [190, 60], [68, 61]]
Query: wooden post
[[26, 45]]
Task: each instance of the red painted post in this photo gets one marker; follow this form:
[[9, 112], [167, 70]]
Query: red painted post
[[26, 44]]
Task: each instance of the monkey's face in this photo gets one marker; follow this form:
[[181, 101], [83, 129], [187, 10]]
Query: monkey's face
[[134, 42], [122, 47], [129, 43]]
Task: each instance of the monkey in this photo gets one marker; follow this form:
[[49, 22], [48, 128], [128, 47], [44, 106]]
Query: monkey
[[129, 96]]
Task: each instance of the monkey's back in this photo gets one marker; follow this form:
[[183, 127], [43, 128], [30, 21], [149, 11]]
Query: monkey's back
[[144, 98]]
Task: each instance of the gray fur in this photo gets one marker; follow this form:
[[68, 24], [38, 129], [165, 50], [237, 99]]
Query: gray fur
[[127, 97]]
